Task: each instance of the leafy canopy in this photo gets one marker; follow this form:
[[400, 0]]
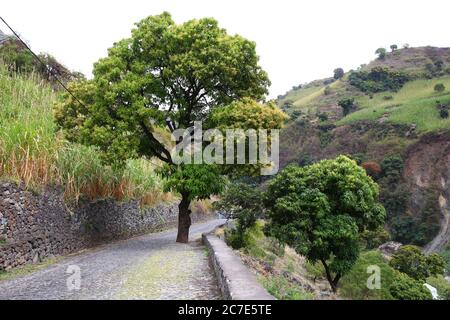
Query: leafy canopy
[[163, 75], [320, 209], [411, 260]]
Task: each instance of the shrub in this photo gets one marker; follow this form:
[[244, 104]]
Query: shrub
[[347, 105], [372, 239], [405, 288], [442, 286], [439, 87], [378, 79], [411, 261], [354, 284], [372, 168], [381, 52], [327, 91], [282, 289], [394, 47], [443, 113], [338, 73]]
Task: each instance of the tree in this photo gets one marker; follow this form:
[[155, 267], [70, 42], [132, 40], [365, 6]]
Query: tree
[[439, 87], [394, 47], [243, 202], [405, 288], [347, 104], [411, 261], [381, 52], [320, 210], [338, 73], [164, 76]]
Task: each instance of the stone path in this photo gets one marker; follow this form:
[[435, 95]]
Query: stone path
[[147, 267]]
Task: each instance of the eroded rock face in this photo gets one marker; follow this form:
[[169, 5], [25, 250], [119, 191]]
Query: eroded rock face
[[389, 248], [427, 165], [36, 226]]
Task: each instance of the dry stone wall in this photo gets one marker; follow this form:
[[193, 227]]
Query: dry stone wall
[[36, 226]]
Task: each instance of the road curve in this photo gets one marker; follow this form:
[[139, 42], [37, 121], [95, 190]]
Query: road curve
[[152, 266]]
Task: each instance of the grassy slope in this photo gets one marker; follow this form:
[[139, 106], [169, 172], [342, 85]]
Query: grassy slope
[[34, 153], [414, 103]]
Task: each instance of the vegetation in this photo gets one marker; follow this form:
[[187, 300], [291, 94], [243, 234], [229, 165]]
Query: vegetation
[[405, 288], [320, 209], [33, 153], [338, 73], [347, 105], [354, 283], [439, 87], [165, 76], [381, 52], [411, 261], [242, 202], [378, 79]]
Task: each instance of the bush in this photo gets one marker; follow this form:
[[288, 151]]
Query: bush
[[405, 288], [439, 87], [381, 52], [378, 79], [338, 73], [372, 168], [347, 105], [373, 239], [411, 261], [443, 113], [442, 286], [354, 284]]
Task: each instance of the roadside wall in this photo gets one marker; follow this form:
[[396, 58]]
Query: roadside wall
[[37, 226], [236, 282]]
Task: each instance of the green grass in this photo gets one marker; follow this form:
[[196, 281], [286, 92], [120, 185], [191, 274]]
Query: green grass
[[33, 152], [27, 269], [282, 289], [414, 103]]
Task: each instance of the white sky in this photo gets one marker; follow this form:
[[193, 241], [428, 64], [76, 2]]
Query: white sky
[[297, 41]]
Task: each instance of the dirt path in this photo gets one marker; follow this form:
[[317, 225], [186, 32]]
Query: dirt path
[[147, 267]]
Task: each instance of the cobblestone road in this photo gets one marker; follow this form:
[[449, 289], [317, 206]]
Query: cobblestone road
[[147, 267]]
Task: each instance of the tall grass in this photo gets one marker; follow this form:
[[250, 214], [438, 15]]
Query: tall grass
[[28, 143], [34, 153]]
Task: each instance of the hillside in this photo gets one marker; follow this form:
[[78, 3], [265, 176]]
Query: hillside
[[395, 113]]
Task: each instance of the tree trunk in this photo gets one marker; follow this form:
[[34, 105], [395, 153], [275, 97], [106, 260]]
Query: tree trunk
[[184, 219], [333, 282]]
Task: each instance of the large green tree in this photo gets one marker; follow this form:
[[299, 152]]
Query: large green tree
[[165, 75], [320, 210]]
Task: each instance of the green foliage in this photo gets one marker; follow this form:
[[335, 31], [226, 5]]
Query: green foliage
[[354, 283], [372, 239], [411, 261], [394, 47], [442, 286], [338, 73], [378, 79], [196, 182], [320, 209], [405, 288], [445, 254], [282, 289], [439, 87], [347, 105], [392, 167], [381, 52], [242, 202]]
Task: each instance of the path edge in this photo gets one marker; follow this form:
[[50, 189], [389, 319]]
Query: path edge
[[235, 281]]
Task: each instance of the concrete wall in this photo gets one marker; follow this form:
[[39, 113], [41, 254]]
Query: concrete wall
[[37, 226], [236, 282]]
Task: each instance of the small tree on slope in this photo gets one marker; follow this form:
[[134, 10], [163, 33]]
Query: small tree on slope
[[319, 210]]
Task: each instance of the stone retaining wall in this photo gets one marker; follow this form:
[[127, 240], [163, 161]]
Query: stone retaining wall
[[236, 282], [37, 226]]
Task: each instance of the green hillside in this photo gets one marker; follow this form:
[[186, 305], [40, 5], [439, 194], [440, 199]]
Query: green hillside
[[398, 109]]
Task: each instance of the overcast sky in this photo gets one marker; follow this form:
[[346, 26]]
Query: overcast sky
[[298, 41]]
